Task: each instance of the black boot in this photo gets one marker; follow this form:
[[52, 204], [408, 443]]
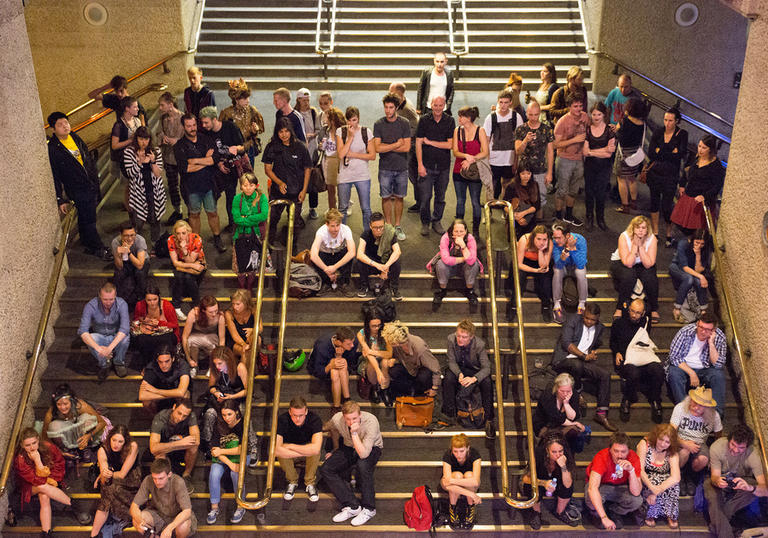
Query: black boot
[[656, 413], [453, 519], [219, 244], [438, 299], [386, 396], [600, 214], [471, 518], [471, 297], [624, 410], [590, 222], [375, 394]]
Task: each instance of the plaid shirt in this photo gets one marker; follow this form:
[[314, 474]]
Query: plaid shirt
[[683, 340]]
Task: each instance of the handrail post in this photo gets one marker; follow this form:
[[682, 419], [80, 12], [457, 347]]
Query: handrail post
[[497, 358], [263, 499], [740, 355], [331, 24]]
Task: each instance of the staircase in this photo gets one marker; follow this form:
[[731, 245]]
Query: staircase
[[377, 42]]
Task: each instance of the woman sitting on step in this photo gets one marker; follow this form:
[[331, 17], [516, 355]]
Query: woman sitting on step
[[154, 325], [457, 257], [239, 321], [461, 479], [534, 257], [376, 355], [186, 251], [205, 329], [73, 424], [225, 451]]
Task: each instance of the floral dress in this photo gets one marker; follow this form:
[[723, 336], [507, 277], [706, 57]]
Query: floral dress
[[667, 502]]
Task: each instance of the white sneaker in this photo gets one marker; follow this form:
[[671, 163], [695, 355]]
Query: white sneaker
[[181, 315], [347, 513], [363, 517], [290, 491], [399, 233], [312, 493]]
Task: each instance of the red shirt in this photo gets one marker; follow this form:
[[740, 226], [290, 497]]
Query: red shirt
[[567, 127], [194, 244], [603, 464]]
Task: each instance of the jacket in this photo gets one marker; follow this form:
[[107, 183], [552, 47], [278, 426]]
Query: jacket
[[70, 178], [423, 94], [572, 330], [478, 358]]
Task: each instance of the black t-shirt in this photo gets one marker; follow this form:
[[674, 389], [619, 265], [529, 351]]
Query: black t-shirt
[[165, 380], [229, 135], [441, 131], [371, 248], [288, 163], [201, 181], [299, 435], [450, 459], [162, 424]]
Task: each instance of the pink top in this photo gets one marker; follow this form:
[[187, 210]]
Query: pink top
[[445, 251]]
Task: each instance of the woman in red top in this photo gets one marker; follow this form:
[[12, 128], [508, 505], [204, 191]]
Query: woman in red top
[[186, 252], [534, 257], [470, 144], [40, 469], [154, 324]]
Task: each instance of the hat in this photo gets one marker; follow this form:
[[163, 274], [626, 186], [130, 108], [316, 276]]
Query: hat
[[237, 89], [702, 396], [303, 92]]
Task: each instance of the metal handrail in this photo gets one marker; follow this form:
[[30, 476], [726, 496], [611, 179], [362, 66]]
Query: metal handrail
[[262, 500], [450, 4], [583, 21], [42, 327], [497, 359], [741, 355], [199, 9], [330, 11]]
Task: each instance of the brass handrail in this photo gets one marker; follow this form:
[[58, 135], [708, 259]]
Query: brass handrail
[[262, 501], [450, 4], [155, 87], [740, 355], [497, 358], [330, 14], [53, 282]]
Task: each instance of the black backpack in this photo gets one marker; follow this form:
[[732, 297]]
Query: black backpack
[[469, 407], [383, 302]]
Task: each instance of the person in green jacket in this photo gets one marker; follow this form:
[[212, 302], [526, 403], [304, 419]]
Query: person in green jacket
[[249, 212]]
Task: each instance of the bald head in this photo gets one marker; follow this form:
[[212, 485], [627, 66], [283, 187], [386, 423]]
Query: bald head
[[625, 84], [397, 88], [636, 309]]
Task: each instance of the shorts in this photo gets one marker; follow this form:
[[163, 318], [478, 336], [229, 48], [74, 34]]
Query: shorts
[[393, 183], [331, 169], [570, 177], [197, 200]]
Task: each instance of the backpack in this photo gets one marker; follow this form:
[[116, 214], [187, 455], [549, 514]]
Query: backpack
[[161, 246], [540, 380], [470, 413], [419, 510], [383, 301], [495, 121], [304, 281], [363, 133]]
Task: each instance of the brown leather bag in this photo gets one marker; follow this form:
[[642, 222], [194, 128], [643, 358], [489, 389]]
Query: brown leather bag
[[415, 411]]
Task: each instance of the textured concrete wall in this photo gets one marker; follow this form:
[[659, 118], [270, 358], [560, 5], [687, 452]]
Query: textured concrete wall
[[28, 213]]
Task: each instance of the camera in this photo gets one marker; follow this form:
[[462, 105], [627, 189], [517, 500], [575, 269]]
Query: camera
[[729, 479]]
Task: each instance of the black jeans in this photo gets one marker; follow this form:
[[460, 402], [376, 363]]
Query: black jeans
[[542, 283], [172, 173], [436, 180], [663, 190], [86, 203], [597, 182], [580, 369], [185, 285], [367, 270], [228, 184], [649, 379], [498, 173], [404, 384], [624, 279], [345, 271], [451, 387], [335, 472], [131, 283]]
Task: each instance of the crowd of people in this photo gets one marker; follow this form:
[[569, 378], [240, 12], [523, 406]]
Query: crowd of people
[[526, 152]]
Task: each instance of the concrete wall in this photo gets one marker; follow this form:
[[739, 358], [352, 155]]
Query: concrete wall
[[28, 214]]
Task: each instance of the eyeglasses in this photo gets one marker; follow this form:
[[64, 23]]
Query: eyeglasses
[[377, 227]]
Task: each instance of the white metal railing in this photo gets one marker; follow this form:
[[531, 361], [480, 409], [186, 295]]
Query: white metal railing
[[452, 5], [194, 38], [330, 14]]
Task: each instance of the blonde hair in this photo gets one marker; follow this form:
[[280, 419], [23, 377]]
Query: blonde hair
[[514, 78], [460, 441], [242, 295], [194, 70], [333, 215], [182, 224], [563, 379], [709, 412], [395, 333], [349, 407], [285, 93], [635, 222], [574, 72]]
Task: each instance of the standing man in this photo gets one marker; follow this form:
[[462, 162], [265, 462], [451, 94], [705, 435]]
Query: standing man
[[194, 157], [197, 96], [299, 436], [408, 111], [500, 126], [535, 149], [131, 264], [360, 450], [570, 133], [437, 80], [75, 176], [434, 137], [171, 130], [282, 101], [104, 327], [619, 97], [392, 140]]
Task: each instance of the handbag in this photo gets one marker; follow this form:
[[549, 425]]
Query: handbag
[[471, 172], [638, 156], [640, 349], [316, 180], [414, 411], [364, 387]]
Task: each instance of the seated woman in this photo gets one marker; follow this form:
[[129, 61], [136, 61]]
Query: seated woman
[[461, 479], [73, 424], [227, 381], [186, 251], [633, 260], [558, 411], [154, 325], [39, 469], [204, 330], [534, 257], [249, 213], [239, 321], [660, 473], [375, 355], [225, 450], [119, 479], [691, 268], [523, 194], [457, 257], [554, 475], [332, 253]]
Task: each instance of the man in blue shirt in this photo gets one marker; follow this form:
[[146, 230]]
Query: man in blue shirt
[[569, 254], [618, 98], [105, 329]]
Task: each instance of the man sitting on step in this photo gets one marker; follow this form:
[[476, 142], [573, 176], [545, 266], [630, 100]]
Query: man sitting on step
[[131, 259], [334, 357], [168, 511], [377, 259], [576, 353], [164, 380], [174, 435], [105, 329], [413, 369], [299, 435]]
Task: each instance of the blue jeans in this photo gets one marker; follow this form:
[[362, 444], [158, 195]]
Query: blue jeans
[[214, 480], [436, 180], [684, 282], [714, 378], [118, 354], [363, 195], [475, 188]]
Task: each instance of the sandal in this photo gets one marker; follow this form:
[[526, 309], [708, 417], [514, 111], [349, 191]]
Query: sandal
[[623, 209], [655, 318], [650, 522], [678, 316], [672, 523]]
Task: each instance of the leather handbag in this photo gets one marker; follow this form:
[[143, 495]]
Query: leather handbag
[[414, 411]]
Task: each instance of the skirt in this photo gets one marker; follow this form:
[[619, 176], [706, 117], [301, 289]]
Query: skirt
[[688, 213], [624, 169]]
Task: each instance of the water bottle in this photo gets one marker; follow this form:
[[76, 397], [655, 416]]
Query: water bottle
[[554, 485], [619, 472]]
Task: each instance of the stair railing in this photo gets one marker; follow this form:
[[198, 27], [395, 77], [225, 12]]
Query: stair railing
[[240, 496], [33, 356], [457, 9], [508, 497], [326, 8], [741, 355]]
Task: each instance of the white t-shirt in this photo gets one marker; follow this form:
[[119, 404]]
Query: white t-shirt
[[355, 169], [501, 157], [333, 244], [693, 359], [692, 428], [587, 336], [624, 235], [437, 86]]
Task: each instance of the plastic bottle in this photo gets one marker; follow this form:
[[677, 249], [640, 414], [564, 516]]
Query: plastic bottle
[[554, 485]]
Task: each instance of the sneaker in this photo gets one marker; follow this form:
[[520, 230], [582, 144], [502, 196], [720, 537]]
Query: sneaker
[[180, 314], [438, 228], [399, 233], [237, 517], [425, 229], [557, 313], [575, 221], [362, 291], [189, 484], [347, 513], [120, 370], [565, 518], [290, 491], [325, 289], [312, 213], [363, 517], [193, 372], [546, 313], [312, 493], [213, 515], [396, 295]]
